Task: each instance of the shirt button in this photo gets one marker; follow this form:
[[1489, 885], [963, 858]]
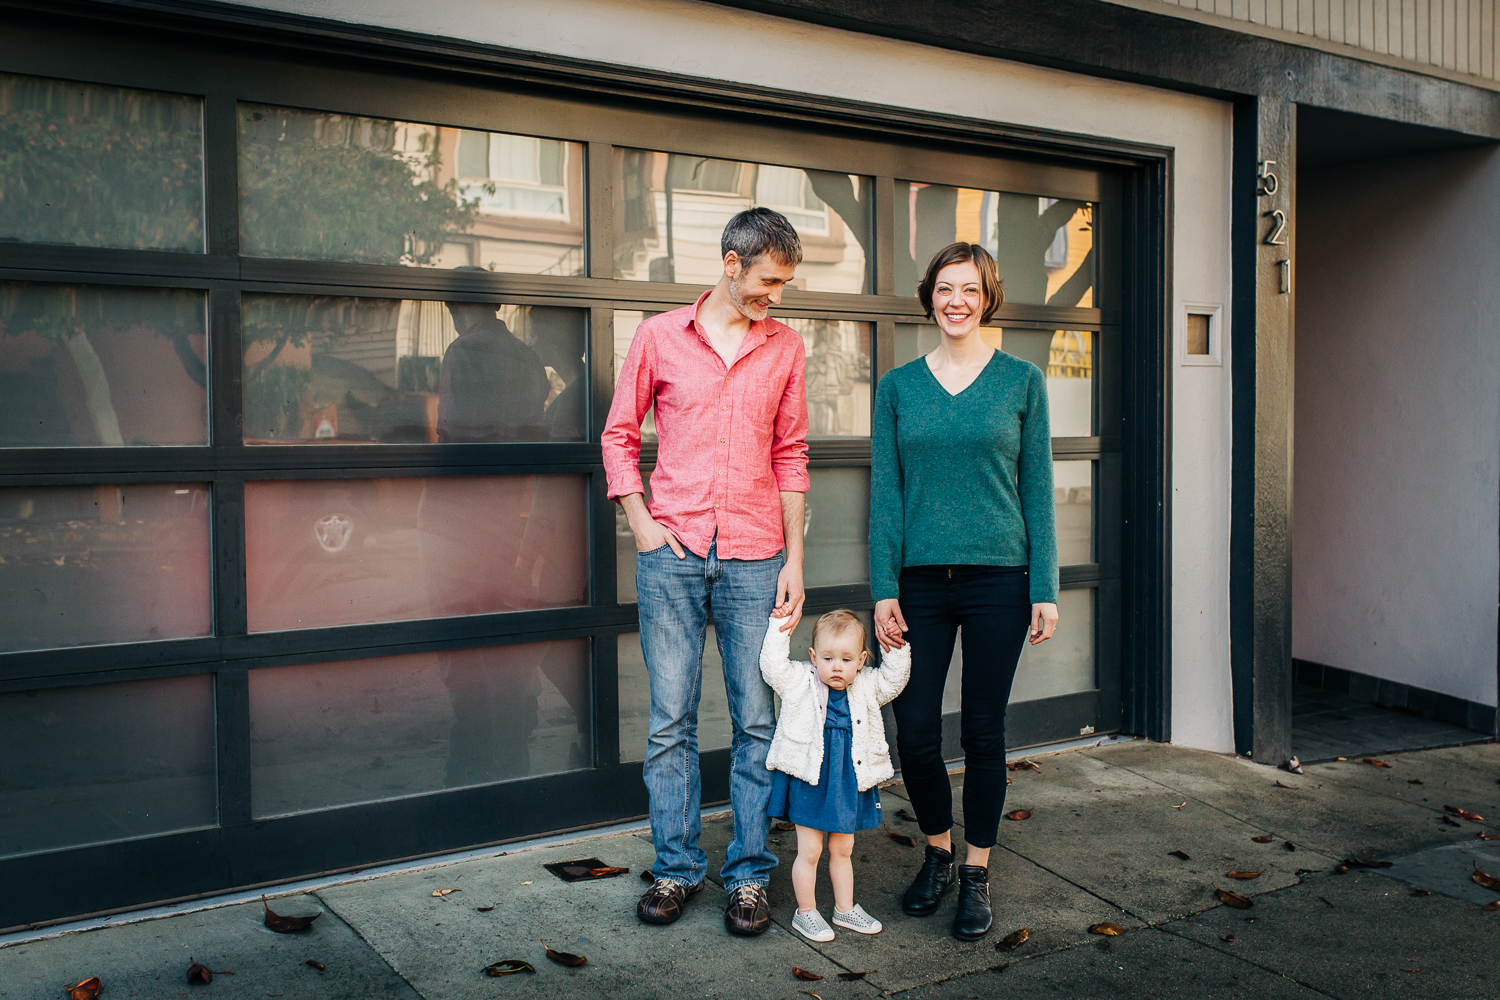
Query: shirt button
[[716, 506], [726, 407], [721, 472]]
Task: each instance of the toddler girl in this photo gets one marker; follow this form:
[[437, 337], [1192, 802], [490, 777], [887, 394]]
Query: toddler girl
[[829, 753]]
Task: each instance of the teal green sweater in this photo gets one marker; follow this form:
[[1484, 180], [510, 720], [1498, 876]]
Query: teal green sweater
[[963, 480]]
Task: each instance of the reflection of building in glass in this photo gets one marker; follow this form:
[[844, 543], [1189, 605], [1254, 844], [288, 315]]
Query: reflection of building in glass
[[671, 210], [838, 376]]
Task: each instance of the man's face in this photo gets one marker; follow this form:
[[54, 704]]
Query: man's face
[[755, 289]]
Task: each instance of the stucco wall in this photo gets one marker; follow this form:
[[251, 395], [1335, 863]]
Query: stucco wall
[[1396, 510], [719, 43]]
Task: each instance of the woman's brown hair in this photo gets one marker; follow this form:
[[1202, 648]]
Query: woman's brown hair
[[962, 253]]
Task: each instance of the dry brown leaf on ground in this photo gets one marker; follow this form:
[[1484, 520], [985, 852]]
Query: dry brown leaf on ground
[[1414, 781], [1233, 899], [199, 974], [1484, 879], [903, 814], [1464, 814], [810, 994], [1022, 765], [646, 875], [484, 909], [1289, 845], [507, 967], [1450, 821], [1292, 787], [782, 826], [1180, 854], [1366, 863], [286, 925], [1486, 836], [1294, 765], [1372, 760], [609, 872], [569, 959], [900, 838], [1180, 804], [1491, 906], [86, 989], [1018, 814], [850, 977], [1107, 929], [1421, 892], [805, 976], [315, 964], [445, 892], [1322, 900], [1263, 840], [1014, 940], [1227, 938], [1244, 875]]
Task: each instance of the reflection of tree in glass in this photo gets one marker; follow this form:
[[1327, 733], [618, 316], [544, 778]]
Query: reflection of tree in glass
[[67, 315], [275, 393], [335, 187], [99, 166]]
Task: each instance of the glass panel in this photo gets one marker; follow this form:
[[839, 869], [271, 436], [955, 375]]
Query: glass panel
[[625, 547], [917, 340], [332, 734], [84, 765], [1064, 664], [394, 370], [85, 565], [670, 211], [837, 531], [91, 166], [1197, 334], [345, 551], [1045, 247], [714, 729], [1073, 486], [838, 376], [86, 365], [319, 186], [625, 323]]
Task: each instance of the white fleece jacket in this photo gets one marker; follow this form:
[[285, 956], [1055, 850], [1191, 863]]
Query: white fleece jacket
[[797, 747]]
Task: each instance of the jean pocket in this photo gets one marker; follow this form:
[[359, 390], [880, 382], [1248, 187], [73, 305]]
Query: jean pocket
[[649, 552]]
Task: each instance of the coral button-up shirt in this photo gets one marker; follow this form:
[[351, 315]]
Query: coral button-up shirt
[[729, 440]]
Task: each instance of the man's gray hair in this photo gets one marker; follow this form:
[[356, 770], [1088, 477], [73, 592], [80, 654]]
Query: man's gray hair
[[760, 232]]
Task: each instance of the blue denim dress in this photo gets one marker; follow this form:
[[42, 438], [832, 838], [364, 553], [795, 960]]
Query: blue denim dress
[[835, 804]]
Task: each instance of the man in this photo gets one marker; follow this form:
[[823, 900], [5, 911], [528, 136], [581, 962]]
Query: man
[[727, 383]]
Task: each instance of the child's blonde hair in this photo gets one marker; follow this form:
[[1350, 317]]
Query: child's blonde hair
[[837, 623]]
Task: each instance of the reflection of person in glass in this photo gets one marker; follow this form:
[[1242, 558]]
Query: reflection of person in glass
[[492, 387], [831, 373], [728, 493]]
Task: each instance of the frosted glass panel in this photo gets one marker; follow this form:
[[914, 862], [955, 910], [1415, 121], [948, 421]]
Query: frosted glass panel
[[100, 166], [85, 565], [838, 376], [94, 366], [85, 765], [344, 370], [344, 551], [331, 734], [320, 186], [1073, 490], [715, 731], [837, 530]]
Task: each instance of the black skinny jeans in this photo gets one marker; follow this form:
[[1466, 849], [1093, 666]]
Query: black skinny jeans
[[993, 604]]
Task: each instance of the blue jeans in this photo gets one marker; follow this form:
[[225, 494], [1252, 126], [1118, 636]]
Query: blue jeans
[[676, 597]]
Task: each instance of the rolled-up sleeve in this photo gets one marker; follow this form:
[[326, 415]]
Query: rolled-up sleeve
[[789, 438], [621, 440]]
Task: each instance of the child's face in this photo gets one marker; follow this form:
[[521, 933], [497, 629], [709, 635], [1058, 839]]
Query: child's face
[[838, 658]]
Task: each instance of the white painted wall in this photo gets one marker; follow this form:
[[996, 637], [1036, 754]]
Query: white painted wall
[[1396, 510], [715, 42]]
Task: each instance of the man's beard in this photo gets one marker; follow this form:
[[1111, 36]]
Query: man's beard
[[748, 309]]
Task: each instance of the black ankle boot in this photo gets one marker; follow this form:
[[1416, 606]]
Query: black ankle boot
[[973, 919], [934, 878]]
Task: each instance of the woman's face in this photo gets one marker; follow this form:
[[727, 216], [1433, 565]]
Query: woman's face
[[958, 299]]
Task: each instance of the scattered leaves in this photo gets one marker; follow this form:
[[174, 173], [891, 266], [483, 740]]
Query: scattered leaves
[[484, 909], [1180, 854], [1464, 814], [286, 925], [1227, 938], [1263, 840], [1018, 814], [199, 974], [1421, 892], [1481, 835], [1246, 875], [646, 875], [1294, 765], [581, 870], [903, 814], [609, 871], [1488, 881], [850, 977], [1449, 821], [782, 826], [315, 964], [805, 976], [1289, 845], [1372, 760], [1491, 906], [1292, 787], [1180, 805], [900, 838], [1233, 899], [1022, 765], [1322, 900], [445, 892], [508, 967], [810, 994], [1107, 929], [1414, 781], [1366, 863], [1341, 870], [87, 989], [564, 958], [1014, 940], [1411, 970]]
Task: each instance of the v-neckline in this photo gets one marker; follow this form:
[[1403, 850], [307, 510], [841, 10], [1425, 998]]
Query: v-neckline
[[938, 382]]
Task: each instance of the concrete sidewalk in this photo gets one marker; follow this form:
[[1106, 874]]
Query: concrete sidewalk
[[1098, 847]]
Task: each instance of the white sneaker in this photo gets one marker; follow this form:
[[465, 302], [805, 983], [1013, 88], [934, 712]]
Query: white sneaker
[[857, 920], [812, 926]]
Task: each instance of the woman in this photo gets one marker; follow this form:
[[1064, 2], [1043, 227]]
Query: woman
[[961, 534]]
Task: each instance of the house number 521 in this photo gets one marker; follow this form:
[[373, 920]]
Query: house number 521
[[1268, 184]]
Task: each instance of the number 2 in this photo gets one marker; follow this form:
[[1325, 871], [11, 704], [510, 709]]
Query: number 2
[[1277, 236]]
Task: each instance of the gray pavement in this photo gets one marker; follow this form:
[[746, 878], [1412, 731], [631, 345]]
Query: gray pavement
[[1098, 847]]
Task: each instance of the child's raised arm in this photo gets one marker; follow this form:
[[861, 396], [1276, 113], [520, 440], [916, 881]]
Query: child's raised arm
[[895, 669], [775, 659]]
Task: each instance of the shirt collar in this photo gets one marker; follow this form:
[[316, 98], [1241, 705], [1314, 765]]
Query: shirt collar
[[765, 327]]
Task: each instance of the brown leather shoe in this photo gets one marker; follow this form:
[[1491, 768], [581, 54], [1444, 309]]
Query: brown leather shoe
[[664, 901], [749, 911]]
